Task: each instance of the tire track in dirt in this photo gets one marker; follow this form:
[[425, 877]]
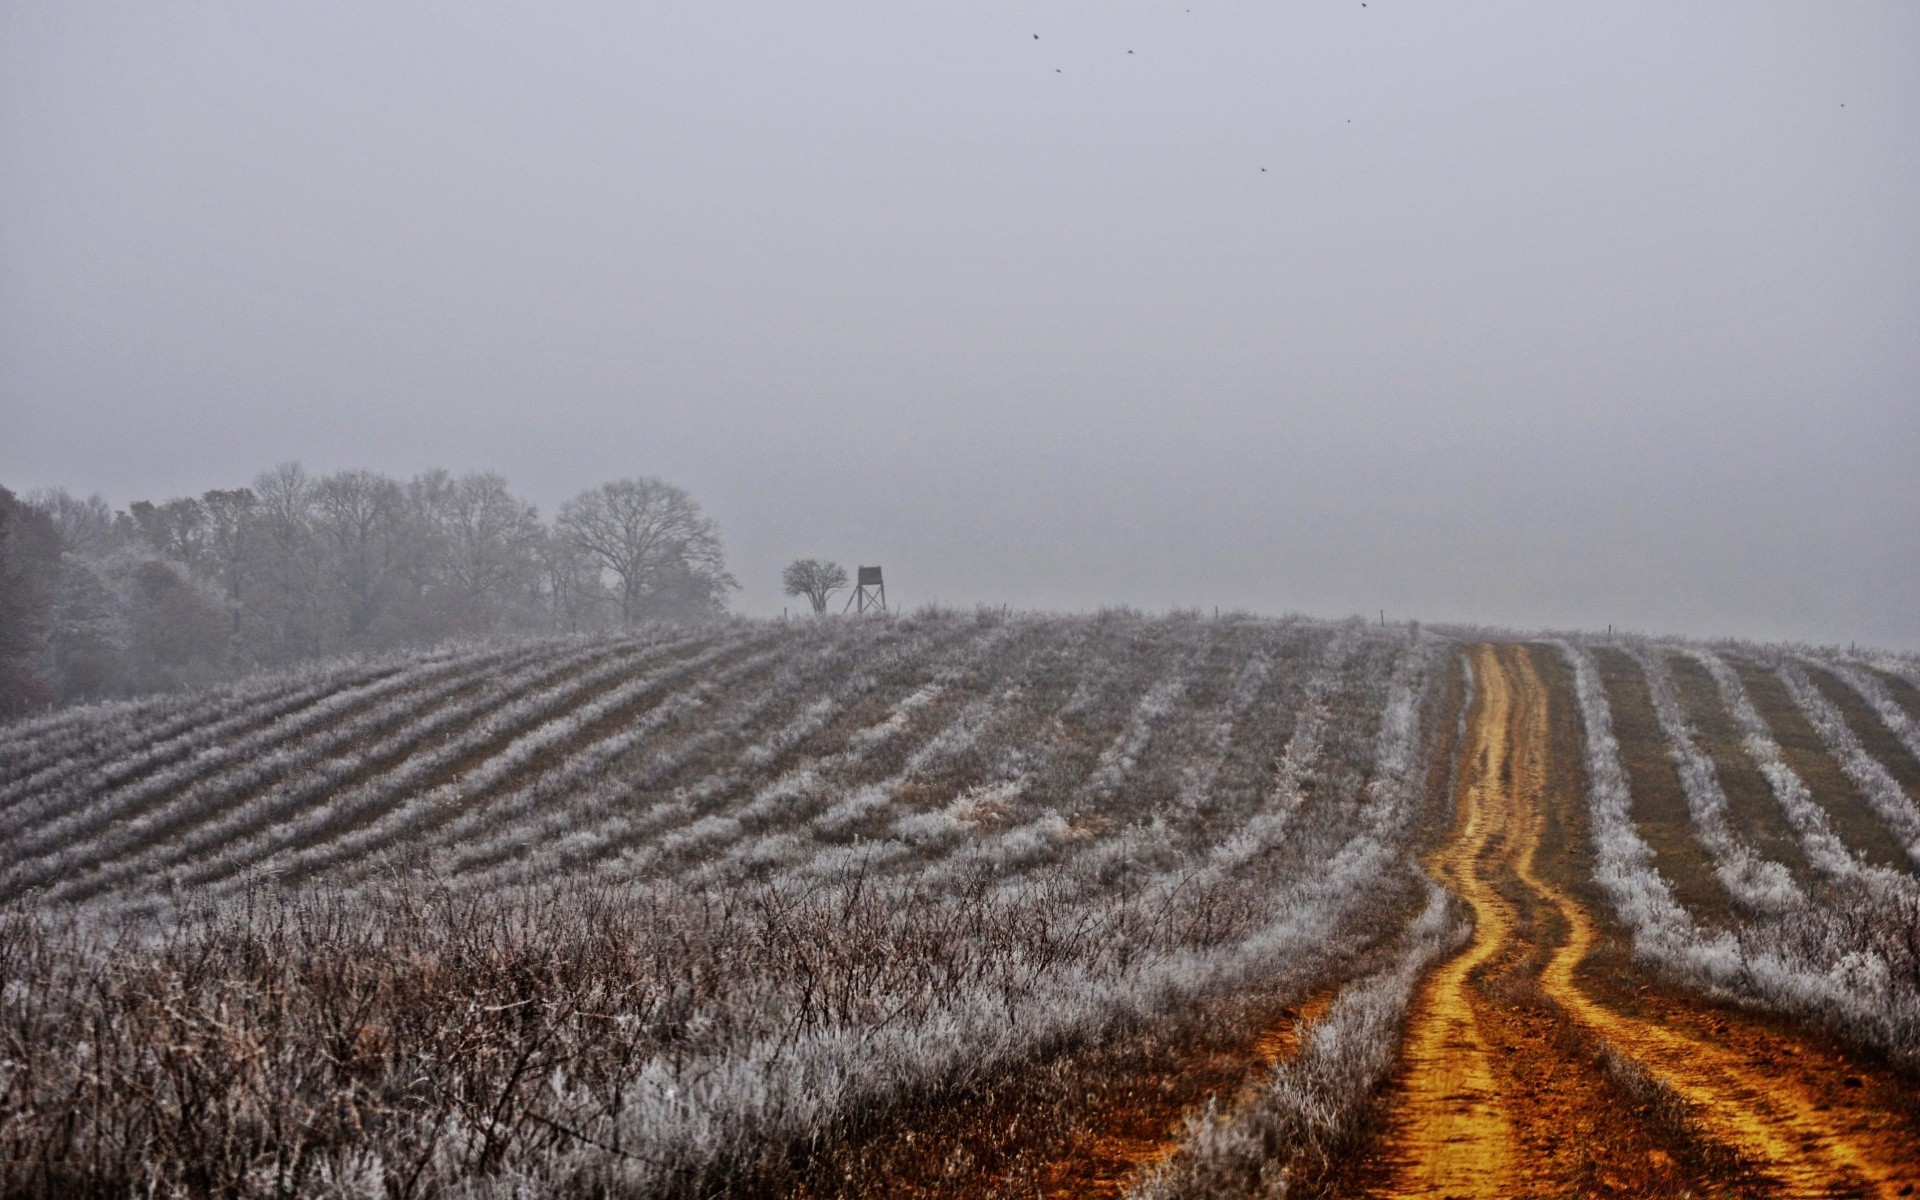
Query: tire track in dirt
[[1450, 1134], [1811, 1145], [1451, 1124]]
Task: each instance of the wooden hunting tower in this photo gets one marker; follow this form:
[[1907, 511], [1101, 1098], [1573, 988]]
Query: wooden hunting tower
[[869, 594]]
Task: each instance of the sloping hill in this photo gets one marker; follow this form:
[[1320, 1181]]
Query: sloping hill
[[968, 905]]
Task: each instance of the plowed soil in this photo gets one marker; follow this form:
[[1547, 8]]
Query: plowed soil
[[1539, 1062]]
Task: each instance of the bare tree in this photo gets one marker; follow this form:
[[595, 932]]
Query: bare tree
[[571, 587], [357, 515], [815, 580], [29, 573], [651, 536], [173, 593], [472, 552]]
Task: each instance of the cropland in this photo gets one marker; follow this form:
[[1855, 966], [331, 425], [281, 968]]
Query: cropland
[[974, 905]]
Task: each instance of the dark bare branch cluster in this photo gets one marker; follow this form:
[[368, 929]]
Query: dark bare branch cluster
[[815, 580], [651, 537]]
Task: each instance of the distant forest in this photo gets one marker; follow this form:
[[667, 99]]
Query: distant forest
[[97, 603]]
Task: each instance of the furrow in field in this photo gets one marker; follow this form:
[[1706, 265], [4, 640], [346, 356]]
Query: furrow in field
[[151, 816], [104, 732], [69, 815], [1879, 692], [1822, 847], [535, 840], [1895, 808], [965, 800], [1088, 811], [1757, 884], [1798, 1139], [1295, 773], [213, 832], [833, 814], [1464, 1123], [1104, 843], [1846, 810], [481, 752], [824, 750], [521, 819], [1031, 807], [112, 752], [1901, 681], [76, 732], [552, 759], [1883, 729]]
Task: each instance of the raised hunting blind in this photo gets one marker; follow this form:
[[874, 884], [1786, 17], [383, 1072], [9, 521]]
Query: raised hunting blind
[[869, 593]]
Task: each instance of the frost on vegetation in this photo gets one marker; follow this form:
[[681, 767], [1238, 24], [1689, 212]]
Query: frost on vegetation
[[1871, 689], [850, 812], [1294, 772], [1875, 782], [669, 909], [707, 831], [875, 735], [1120, 759], [1759, 884], [215, 800], [132, 739], [1308, 1112], [1027, 844], [1800, 961], [315, 789], [1822, 847], [971, 810], [1197, 778]]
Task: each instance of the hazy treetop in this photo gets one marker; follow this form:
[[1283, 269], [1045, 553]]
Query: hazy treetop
[[1541, 314]]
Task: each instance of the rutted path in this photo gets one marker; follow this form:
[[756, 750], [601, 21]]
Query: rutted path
[[1778, 1101], [1452, 1137], [1802, 1140]]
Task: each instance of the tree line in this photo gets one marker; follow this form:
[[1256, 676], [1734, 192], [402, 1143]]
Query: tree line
[[98, 603]]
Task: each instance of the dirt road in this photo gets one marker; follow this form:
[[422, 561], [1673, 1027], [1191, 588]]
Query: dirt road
[[1453, 1135], [1740, 1105]]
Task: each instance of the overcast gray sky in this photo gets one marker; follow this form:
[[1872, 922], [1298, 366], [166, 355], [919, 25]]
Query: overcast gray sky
[[1531, 313]]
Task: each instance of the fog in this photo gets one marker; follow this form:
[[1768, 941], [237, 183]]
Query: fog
[[1533, 314]]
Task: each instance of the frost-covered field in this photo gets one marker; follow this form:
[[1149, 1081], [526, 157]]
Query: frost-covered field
[[712, 910], [680, 912], [1837, 941]]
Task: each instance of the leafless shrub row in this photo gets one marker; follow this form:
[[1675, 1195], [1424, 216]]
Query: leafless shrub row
[[1846, 956], [673, 916]]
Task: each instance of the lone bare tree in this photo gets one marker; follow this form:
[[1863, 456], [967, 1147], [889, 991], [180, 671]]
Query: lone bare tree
[[815, 580], [650, 535]]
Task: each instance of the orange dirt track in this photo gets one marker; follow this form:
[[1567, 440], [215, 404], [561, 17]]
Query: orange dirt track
[[1509, 1044]]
